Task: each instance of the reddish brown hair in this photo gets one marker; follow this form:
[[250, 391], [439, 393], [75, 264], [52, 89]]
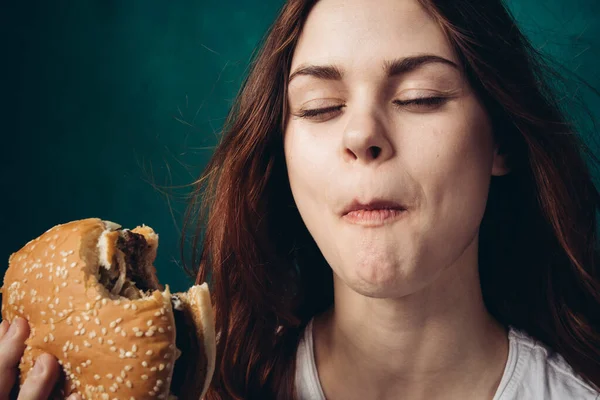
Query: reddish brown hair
[[537, 240]]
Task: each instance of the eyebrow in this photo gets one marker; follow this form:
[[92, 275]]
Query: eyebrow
[[392, 68]]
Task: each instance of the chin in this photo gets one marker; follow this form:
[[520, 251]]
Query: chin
[[374, 279], [380, 278]]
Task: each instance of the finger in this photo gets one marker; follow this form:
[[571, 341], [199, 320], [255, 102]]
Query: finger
[[12, 346], [41, 379]]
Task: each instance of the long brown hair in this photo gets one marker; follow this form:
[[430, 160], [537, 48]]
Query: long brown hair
[[538, 256]]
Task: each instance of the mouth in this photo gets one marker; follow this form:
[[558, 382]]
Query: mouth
[[372, 206], [373, 213]]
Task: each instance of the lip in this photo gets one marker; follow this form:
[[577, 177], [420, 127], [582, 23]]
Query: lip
[[373, 213]]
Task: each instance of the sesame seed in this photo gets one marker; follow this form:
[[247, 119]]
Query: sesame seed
[[87, 344], [113, 348], [134, 348], [149, 322], [82, 331], [159, 382], [118, 321], [109, 341], [128, 354], [104, 331], [104, 302], [161, 330], [149, 352], [145, 377], [112, 389], [149, 333], [100, 340], [127, 306], [139, 334], [112, 325], [97, 377], [151, 393], [161, 367], [119, 379], [153, 369], [117, 329], [133, 307], [129, 385], [123, 333], [144, 364], [109, 376]]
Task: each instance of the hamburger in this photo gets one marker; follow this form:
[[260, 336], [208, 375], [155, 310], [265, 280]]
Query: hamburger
[[90, 293]]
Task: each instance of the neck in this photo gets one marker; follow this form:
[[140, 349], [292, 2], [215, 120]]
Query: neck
[[438, 343]]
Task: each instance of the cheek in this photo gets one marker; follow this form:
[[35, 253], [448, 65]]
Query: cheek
[[454, 172], [310, 169]]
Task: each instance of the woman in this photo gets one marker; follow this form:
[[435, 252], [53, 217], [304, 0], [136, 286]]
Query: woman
[[399, 209]]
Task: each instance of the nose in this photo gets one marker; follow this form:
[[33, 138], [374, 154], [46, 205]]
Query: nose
[[366, 139]]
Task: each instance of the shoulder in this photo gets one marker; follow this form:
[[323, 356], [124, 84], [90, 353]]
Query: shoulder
[[535, 371]]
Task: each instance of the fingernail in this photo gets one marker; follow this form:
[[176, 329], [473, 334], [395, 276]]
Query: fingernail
[[3, 328], [39, 367], [14, 328]]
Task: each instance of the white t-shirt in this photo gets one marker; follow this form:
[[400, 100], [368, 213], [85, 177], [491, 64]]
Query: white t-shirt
[[532, 372]]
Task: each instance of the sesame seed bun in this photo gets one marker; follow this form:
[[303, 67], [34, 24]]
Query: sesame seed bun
[[92, 299]]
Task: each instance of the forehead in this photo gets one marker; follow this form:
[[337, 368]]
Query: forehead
[[359, 35]]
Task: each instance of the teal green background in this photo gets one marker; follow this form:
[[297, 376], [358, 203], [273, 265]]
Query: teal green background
[[104, 100]]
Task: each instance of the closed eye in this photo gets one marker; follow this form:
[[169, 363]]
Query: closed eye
[[310, 113], [422, 101]]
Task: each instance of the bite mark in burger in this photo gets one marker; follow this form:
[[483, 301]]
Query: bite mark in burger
[[90, 293]]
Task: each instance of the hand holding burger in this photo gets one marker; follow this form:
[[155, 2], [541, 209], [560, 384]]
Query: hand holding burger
[[89, 292]]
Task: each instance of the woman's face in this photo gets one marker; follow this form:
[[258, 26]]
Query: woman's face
[[359, 60]]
